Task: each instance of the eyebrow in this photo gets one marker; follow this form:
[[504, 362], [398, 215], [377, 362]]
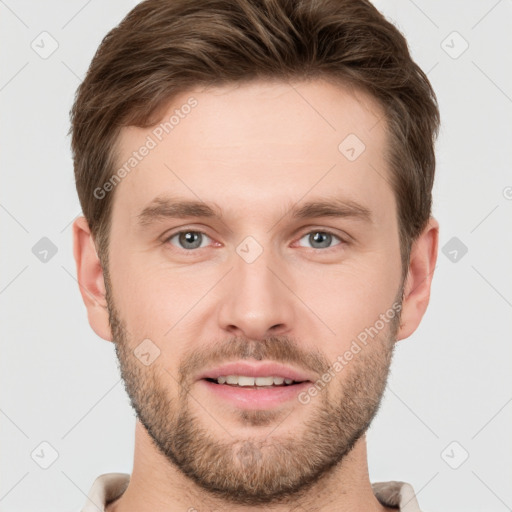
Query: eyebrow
[[175, 208]]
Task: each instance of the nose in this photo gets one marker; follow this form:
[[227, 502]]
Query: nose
[[257, 300]]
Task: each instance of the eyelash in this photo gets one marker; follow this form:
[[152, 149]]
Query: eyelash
[[324, 231]]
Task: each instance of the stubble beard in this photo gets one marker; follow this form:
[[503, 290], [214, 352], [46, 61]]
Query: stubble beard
[[256, 469]]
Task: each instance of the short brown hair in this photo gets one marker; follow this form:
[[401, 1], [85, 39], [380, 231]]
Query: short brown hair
[[165, 47]]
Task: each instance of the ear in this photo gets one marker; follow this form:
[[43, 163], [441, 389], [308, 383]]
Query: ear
[[90, 278], [419, 279]]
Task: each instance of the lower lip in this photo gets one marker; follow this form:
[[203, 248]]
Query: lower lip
[[251, 398]]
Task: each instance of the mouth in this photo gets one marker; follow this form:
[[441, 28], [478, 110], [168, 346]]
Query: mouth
[[245, 381], [255, 374], [254, 385]]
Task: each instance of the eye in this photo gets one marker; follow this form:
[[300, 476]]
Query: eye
[[188, 239], [321, 239], [192, 239]]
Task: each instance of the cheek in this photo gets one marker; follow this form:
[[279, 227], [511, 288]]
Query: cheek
[[351, 297], [153, 296]]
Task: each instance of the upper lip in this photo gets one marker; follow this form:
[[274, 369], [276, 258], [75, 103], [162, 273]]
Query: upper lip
[[255, 370]]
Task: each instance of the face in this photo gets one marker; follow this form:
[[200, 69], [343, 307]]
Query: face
[[290, 258]]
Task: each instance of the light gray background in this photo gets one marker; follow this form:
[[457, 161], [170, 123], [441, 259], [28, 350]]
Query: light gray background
[[450, 381]]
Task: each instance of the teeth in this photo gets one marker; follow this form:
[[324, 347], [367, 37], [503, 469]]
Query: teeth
[[243, 380], [264, 381], [246, 381]]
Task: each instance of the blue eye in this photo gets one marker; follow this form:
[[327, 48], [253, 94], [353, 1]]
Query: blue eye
[[322, 239], [189, 239]]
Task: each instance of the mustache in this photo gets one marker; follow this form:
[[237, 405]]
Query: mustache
[[278, 349]]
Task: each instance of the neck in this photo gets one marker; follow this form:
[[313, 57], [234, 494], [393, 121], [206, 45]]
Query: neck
[[156, 485]]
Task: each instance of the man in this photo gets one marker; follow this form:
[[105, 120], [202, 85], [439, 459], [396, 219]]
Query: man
[[255, 178]]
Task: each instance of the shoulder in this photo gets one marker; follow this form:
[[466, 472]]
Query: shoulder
[[396, 494], [105, 488]]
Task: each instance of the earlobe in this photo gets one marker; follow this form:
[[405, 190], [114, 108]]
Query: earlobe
[[419, 279], [90, 278]]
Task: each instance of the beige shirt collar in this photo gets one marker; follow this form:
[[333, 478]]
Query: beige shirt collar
[[110, 486]]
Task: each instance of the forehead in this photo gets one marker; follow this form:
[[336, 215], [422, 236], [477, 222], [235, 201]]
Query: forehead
[[257, 144]]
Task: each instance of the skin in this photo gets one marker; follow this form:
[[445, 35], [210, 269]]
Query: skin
[[255, 150]]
